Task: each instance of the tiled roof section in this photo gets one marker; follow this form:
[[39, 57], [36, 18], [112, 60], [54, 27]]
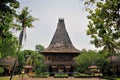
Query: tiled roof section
[[8, 61], [114, 59], [61, 41]]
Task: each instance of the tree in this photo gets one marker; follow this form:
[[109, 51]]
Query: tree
[[12, 42], [21, 60], [26, 20], [37, 61], [35, 58], [88, 58], [7, 12], [39, 48], [104, 24], [91, 58]]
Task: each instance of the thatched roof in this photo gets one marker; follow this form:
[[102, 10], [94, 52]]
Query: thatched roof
[[8, 61], [28, 67], [114, 59], [61, 42], [93, 67]]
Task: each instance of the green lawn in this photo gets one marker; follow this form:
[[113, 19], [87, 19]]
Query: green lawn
[[16, 77], [117, 78], [7, 78]]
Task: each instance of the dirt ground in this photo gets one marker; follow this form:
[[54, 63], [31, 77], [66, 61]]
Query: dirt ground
[[70, 78]]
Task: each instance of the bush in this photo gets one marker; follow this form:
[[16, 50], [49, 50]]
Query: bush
[[76, 73], [40, 76], [82, 75], [40, 69], [61, 76], [43, 76], [1, 70]]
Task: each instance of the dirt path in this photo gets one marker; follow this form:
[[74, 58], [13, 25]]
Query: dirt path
[[70, 78]]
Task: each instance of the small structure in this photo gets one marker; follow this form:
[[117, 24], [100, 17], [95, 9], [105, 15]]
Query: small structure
[[115, 63], [60, 53], [8, 62], [93, 67], [114, 59], [95, 70], [28, 68]]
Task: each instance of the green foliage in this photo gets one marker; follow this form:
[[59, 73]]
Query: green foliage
[[9, 46], [35, 59], [86, 59], [89, 58], [61, 75], [7, 78], [40, 69], [60, 72], [7, 12], [24, 19], [42, 76], [39, 48], [30, 57], [8, 6], [104, 24], [84, 75], [1, 70], [45, 75], [21, 59]]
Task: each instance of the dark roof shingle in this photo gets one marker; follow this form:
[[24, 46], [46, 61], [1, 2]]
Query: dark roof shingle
[[61, 41]]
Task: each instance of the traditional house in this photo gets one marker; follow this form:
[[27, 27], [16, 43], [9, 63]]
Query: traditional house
[[8, 63], [115, 63], [60, 53], [28, 69]]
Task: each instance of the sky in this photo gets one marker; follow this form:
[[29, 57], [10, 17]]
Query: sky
[[49, 11]]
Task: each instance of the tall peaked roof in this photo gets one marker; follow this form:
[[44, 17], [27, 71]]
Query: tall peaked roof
[[61, 41]]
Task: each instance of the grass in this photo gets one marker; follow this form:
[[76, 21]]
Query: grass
[[114, 79], [81, 75], [16, 77], [7, 78], [111, 78], [39, 76]]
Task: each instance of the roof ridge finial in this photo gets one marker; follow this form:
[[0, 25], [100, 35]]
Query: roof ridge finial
[[61, 19]]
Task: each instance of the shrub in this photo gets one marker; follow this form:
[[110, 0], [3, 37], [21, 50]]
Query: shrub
[[40, 69], [61, 76], [1, 70], [43, 76]]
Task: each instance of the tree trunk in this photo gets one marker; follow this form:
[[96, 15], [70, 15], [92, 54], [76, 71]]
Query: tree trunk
[[14, 65], [13, 69], [21, 37]]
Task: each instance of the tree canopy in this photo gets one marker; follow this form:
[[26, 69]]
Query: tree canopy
[[86, 59], [104, 24], [7, 13], [39, 48], [24, 20], [92, 58]]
